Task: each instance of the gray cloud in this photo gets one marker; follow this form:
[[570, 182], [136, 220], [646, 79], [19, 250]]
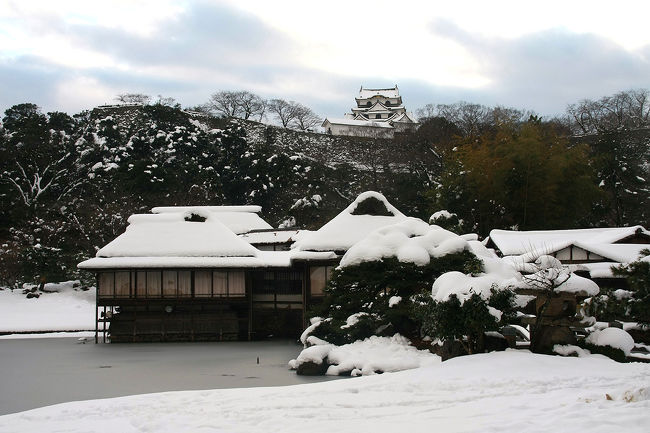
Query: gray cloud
[[220, 48], [547, 70]]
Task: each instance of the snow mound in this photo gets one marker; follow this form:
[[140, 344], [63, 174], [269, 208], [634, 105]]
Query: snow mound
[[613, 337], [410, 241], [366, 357], [463, 286], [579, 285], [441, 214], [569, 350]]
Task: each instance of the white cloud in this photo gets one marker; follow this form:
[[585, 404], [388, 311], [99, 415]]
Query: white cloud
[[141, 17], [535, 55], [82, 93], [392, 40]]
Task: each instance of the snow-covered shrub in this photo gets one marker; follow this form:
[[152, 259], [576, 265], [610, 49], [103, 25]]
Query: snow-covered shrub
[[365, 357], [609, 305], [448, 221], [637, 275], [614, 343], [306, 211], [467, 319], [366, 290]]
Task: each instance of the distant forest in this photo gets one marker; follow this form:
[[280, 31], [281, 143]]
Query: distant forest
[[69, 183]]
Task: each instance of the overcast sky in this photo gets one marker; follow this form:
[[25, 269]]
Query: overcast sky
[[74, 55]]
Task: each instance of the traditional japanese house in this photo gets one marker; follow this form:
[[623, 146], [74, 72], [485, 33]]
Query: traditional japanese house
[[589, 252], [184, 274]]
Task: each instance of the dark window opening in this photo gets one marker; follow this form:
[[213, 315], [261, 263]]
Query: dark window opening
[[277, 282], [195, 218], [372, 206]]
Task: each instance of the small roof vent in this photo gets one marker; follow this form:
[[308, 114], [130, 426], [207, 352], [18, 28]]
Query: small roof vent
[[195, 218]]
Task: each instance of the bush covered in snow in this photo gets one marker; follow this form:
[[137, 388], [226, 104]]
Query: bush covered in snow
[[626, 305], [365, 291], [448, 220], [637, 275], [467, 319], [614, 343], [365, 357]]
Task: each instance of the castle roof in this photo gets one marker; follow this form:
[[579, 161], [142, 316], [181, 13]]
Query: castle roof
[[354, 122], [392, 92]]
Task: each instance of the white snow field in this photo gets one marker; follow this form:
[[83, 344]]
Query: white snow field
[[66, 310], [512, 391]]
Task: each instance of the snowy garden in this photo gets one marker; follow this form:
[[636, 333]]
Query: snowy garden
[[443, 323], [444, 331]]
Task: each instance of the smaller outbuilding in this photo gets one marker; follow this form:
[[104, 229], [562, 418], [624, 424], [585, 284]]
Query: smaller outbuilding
[[591, 252]]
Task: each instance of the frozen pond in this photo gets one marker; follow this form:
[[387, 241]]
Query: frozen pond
[[41, 372]]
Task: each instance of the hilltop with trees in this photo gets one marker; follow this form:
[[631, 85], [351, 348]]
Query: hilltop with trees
[[68, 183]]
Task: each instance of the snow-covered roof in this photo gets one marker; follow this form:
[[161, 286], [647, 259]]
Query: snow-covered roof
[[239, 219], [174, 209], [404, 118], [262, 259], [344, 230], [273, 236], [378, 107], [410, 240], [392, 92], [521, 242], [170, 235], [621, 253], [167, 240], [353, 122]]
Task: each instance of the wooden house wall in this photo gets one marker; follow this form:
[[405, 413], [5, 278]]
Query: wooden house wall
[[209, 304]]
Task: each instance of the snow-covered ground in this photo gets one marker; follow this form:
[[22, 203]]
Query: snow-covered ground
[[67, 310], [510, 391]]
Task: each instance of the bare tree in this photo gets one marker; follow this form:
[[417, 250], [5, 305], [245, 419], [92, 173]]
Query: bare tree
[[168, 101], [503, 115], [133, 98], [263, 105], [305, 118], [239, 103], [285, 111], [249, 104], [225, 104], [470, 118], [427, 112], [629, 109]]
